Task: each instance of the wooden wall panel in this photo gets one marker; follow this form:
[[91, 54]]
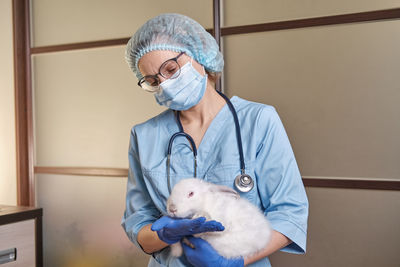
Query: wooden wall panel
[[8, 170], [349, 227], [81, 222], [335, 88], [80, 21], [86, 102], [238, 12]]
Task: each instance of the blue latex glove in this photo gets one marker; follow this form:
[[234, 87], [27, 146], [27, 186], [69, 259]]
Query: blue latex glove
[[172, 230], [204, 255]]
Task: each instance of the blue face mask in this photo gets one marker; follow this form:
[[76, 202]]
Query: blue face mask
[[183, 92]]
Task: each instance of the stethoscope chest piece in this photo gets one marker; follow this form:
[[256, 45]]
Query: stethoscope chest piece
[[244, 183]]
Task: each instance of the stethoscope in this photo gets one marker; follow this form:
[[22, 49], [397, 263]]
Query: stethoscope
[[243, 182]]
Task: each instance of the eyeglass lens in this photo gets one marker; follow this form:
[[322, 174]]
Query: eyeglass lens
[[170, 69]]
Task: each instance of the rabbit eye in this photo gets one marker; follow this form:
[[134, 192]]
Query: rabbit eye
[[190, 194]]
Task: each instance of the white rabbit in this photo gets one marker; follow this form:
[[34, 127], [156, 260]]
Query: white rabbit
[[247, 230]]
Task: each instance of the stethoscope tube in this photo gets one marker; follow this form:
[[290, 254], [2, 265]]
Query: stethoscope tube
[[169, 152], [243, 182], [237, 128]]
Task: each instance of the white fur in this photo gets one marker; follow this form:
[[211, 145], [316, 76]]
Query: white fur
[[247, 230]]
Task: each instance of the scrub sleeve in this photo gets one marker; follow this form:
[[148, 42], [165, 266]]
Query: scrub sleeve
[[279, 182], [140, 209]]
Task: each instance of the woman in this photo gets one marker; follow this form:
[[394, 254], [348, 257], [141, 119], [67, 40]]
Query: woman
[[176, 59]]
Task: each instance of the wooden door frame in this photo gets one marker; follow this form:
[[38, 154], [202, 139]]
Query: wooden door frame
[[23, 103]]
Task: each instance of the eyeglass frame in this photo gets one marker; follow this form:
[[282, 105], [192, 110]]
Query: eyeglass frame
[[155, 76]]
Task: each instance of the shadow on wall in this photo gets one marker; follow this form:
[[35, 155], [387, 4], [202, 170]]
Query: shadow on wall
[[100, 245]]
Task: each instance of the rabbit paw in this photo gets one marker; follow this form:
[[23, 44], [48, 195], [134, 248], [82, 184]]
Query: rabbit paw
[[176, 250]]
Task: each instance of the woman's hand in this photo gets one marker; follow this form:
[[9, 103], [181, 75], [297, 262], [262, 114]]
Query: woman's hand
[[172, 230], [204, 255]]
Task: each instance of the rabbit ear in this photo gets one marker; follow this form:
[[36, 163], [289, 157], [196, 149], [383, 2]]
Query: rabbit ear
[[225, 189]]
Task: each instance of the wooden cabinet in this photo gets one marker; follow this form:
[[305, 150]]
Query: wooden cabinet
[[21, 236]]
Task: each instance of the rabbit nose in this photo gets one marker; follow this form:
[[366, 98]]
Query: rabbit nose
[[172, 208]]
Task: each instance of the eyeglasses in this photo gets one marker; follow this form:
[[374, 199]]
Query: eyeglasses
[[170, 69]]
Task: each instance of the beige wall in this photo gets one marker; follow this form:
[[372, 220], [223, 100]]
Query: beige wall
[[79, 21], [322, 81], [85, 103], [337, 91], [239, 12], [349, 228], [8, 182], [82, 222]]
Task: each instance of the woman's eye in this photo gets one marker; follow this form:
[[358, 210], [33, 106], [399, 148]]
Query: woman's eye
[[172, 70], [190, 194], [152, 82]]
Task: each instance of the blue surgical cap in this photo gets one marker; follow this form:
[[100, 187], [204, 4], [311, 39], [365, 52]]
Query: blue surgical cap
[[176, 33]]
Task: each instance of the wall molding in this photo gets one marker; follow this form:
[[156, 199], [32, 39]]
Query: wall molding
[[353, 183], [81, 45], [328, 182], [217, 31], [83, 171], [378, 15]]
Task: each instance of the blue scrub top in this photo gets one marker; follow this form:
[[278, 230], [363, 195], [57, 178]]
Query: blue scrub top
[[269, 159]]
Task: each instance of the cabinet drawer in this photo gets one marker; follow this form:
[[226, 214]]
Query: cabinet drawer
[[19, 235]]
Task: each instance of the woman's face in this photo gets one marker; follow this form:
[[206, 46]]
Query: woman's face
[[149, 63]]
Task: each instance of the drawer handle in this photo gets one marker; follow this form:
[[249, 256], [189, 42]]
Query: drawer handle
[[8, 255]]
